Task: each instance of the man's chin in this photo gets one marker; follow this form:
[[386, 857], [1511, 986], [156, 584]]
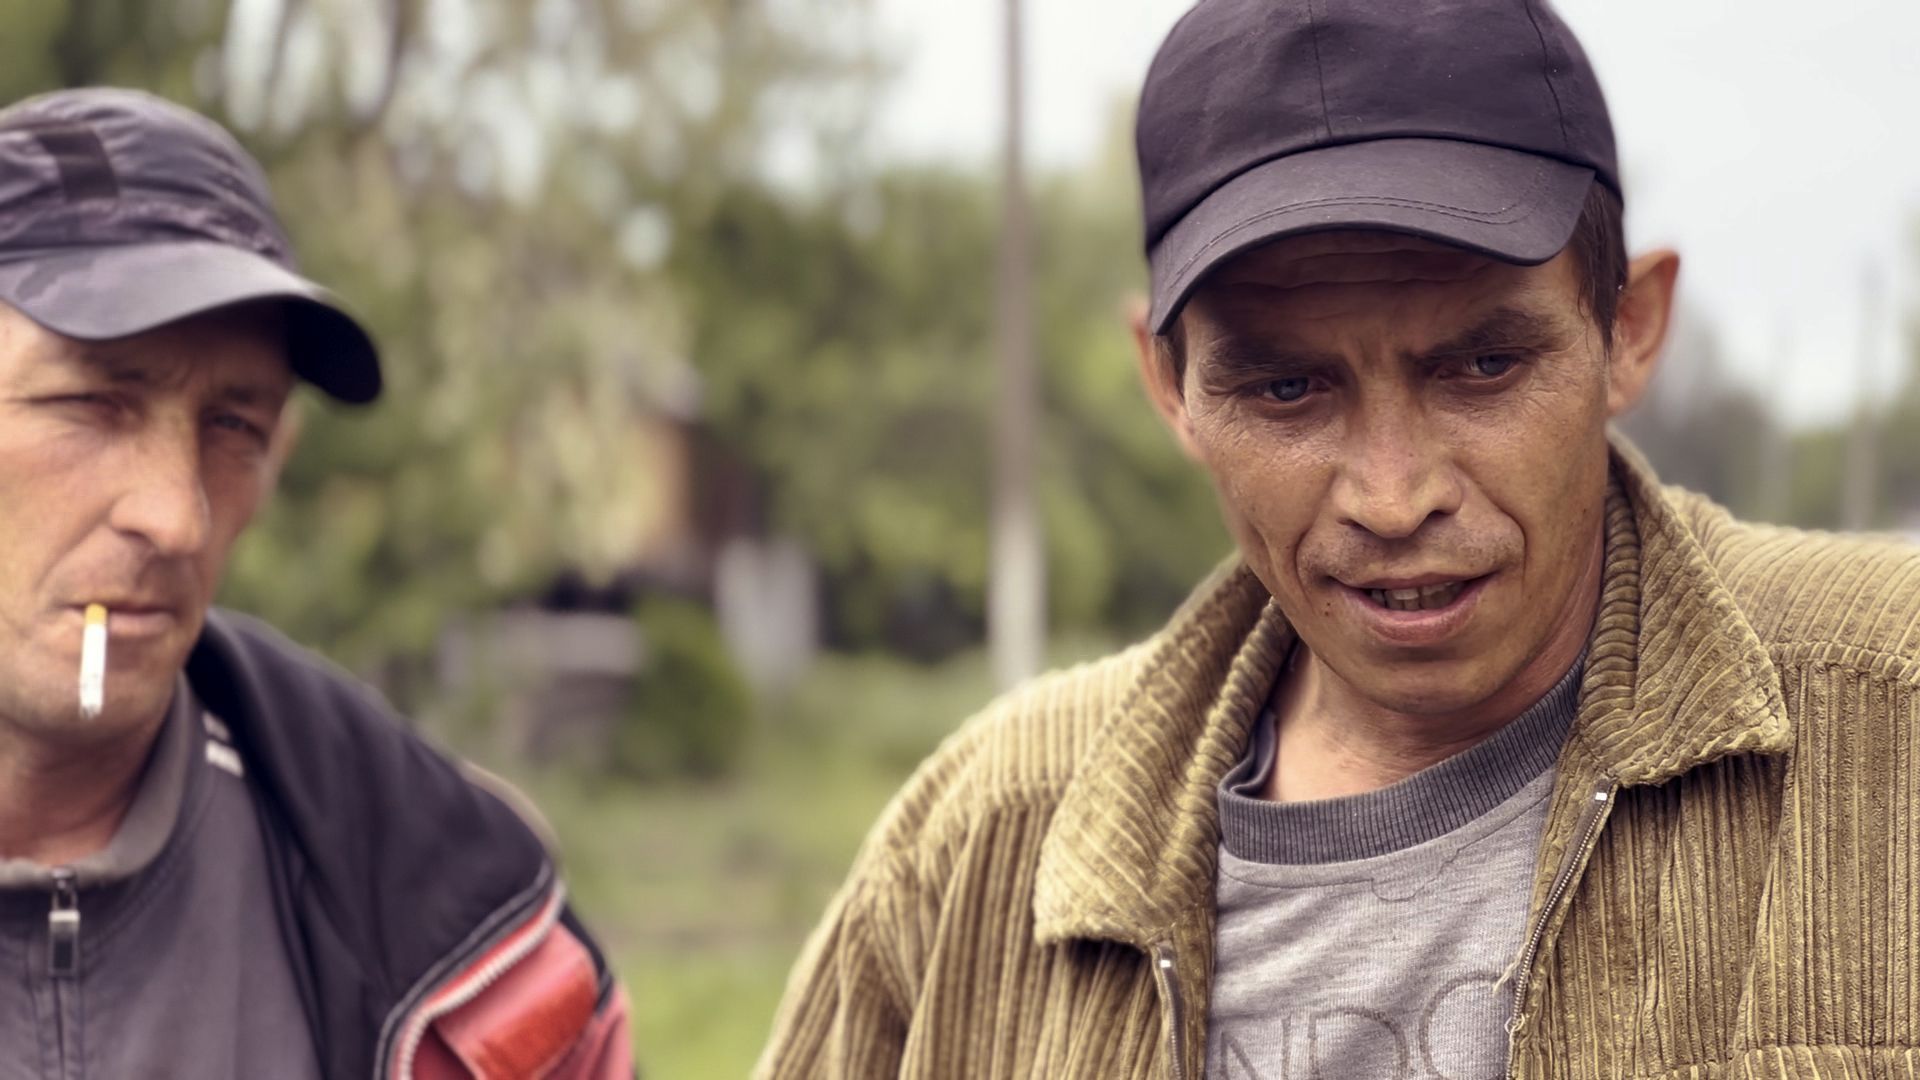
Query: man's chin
[[46, 703], [143, 689], [1436, 686]]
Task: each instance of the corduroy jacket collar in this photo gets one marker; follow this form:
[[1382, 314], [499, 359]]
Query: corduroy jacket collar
[[1675, 678]]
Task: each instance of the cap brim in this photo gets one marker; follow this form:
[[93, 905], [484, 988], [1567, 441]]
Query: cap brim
[[104, 293], [1507, 204]]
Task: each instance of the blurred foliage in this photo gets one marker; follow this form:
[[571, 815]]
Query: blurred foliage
[[845, 341], [1701, 429], [1898, 431], [691, 708], [1705, 430], [502, 230], [560, 216], [704, 892]]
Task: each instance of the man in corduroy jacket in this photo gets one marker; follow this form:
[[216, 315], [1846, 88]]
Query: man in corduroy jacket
[[1486, 755]]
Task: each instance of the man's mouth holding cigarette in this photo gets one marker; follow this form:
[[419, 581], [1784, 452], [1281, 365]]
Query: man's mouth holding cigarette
[[114, 627]]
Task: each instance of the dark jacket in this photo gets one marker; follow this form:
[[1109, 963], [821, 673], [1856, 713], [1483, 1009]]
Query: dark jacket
[[425, 920]]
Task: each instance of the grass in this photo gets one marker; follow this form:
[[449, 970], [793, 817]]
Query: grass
[[704, 893]]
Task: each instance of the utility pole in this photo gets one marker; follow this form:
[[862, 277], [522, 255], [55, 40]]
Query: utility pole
[[1862, 479], [1017, 589]]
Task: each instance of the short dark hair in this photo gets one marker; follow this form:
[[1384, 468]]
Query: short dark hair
[[1598, 248]]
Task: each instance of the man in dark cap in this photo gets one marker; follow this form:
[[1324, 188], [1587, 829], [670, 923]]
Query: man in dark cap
[[219, 857], [1486, 755]]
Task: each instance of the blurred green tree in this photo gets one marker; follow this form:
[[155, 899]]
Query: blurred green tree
[[845, 339], [692, 711], [557, 215], [493, 184], [163, 47], [1899, 425]]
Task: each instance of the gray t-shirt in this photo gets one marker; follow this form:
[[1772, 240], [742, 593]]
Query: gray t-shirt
[[1370, 936], [179, 968]]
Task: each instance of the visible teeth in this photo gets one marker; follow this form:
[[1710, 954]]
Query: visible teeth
[[1423, 598]]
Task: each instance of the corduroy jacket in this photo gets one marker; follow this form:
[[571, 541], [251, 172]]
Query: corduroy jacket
[[1728, 885]]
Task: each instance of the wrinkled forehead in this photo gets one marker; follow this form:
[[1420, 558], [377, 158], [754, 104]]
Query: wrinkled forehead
[[244, 343], [24, 341]]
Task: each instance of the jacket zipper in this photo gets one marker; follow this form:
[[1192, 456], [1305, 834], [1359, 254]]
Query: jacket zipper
[[466, 985], [1585, 834], [1168, 979], [63, 927], [63, 956]]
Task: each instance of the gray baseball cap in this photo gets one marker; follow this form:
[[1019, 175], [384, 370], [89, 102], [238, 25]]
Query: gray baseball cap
[[121, 212], [1477, 123]]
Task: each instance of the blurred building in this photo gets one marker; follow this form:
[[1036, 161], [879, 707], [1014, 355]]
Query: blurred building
[[559, 670]]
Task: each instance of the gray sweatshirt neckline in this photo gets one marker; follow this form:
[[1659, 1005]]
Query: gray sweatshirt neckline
[[1429, 804]]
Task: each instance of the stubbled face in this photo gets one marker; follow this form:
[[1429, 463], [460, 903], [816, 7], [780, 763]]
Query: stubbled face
[[127, 470], [1409, 444]]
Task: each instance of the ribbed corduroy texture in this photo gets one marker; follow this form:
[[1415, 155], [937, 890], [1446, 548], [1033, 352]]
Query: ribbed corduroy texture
[[1750, 908]]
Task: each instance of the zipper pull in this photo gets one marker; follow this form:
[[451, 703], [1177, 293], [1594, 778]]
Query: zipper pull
[[1168, 976], [63, 927]]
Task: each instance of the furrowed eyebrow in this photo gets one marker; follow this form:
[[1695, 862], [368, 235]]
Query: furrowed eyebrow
[[115, 369], [252, 396], [121, 371], [1505, 330], [1231, 361]]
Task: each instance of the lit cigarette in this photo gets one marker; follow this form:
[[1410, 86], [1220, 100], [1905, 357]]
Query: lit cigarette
[[93, 663]]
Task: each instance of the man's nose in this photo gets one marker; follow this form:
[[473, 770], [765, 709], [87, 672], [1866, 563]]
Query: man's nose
[[164, 496], [1394, 474]]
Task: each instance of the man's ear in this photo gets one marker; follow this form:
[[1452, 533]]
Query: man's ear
[[1640, 327], [1161, 377]]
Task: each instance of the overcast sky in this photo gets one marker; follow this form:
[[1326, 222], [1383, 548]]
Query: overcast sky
[[1774, 143]]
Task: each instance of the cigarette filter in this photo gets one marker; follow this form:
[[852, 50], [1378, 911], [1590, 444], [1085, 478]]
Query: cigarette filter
[[93, 662]]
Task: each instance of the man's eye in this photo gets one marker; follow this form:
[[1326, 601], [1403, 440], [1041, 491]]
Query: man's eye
[[1288, 391], [90, 408], [239, 425], [1491, 367]]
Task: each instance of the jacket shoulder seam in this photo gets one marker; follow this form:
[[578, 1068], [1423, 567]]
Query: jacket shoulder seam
[[1887, 665]]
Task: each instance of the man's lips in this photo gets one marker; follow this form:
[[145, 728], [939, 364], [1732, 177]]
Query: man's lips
[[133, 618], [1404, 581], [1415, 609]]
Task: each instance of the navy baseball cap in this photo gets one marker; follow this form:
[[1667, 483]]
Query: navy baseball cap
[[121, 212], [1476, 123]]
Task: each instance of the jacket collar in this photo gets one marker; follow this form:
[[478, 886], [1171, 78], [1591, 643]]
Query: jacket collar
[[395, 869], [1676, 678]]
